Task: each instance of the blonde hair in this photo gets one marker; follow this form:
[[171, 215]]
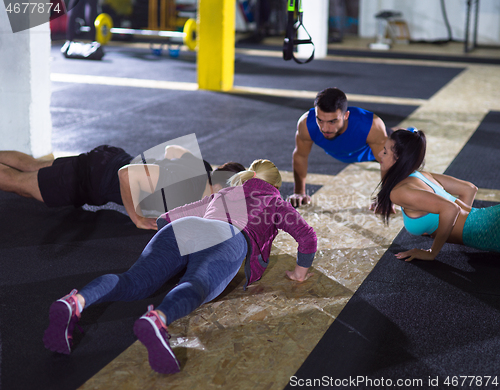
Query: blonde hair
[[260, 169]]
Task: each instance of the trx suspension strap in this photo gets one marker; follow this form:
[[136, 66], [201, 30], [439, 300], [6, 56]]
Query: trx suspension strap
[[293, 25]]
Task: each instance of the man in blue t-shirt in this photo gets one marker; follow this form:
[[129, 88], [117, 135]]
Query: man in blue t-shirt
[[349, 134]]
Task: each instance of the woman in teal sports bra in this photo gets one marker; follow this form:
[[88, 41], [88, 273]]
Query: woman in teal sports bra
[[433, 204]]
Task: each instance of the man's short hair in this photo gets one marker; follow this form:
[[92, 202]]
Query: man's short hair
[[222, 174], [331, 100]]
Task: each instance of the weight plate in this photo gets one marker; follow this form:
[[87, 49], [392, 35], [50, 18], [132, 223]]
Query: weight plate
[[103, 25], [190, 34]]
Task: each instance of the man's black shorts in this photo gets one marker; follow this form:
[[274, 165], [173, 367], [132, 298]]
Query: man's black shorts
[[90, 178]]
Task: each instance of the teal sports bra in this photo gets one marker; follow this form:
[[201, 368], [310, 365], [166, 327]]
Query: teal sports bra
[[427, 223]]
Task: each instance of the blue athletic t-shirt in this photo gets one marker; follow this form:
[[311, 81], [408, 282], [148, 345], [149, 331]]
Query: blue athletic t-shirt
[[350, 146]]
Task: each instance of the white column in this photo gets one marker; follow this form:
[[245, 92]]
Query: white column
[[25, 88], [315, 20]]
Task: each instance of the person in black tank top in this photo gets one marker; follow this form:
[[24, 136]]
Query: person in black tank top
[[90, 178]]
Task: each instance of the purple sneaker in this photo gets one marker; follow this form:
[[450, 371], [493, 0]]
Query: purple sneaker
[[153, 333], [63, 316]]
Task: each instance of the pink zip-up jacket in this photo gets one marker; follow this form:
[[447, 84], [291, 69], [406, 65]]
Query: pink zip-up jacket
[[257, 209]]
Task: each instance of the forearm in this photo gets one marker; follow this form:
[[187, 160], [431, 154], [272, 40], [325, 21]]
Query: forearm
[[299, 174], [468, 196], [306, 238], [446, 224], [464, 190], [294, 224], [130, 195]]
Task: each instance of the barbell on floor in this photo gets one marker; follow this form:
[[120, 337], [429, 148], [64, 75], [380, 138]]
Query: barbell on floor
[[104, 31]]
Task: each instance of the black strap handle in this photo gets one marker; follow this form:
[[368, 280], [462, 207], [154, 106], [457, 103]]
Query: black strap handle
[[293, 25]]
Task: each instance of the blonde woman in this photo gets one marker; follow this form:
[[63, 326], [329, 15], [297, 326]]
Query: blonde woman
[[210, 238]]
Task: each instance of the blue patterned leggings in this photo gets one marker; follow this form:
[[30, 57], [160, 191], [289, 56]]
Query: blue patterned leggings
[[208, 271], [482, 229]]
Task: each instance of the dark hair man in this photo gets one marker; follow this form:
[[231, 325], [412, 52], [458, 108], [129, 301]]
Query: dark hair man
[[349, 134]]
